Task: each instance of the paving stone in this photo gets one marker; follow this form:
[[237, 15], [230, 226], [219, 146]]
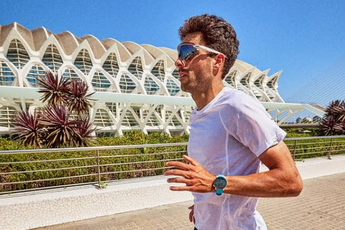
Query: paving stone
[[321, 205]]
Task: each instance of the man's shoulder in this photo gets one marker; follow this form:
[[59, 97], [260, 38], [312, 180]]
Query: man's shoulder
[[235, 97]]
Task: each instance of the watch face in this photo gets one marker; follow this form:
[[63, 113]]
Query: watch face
[[220, 182]]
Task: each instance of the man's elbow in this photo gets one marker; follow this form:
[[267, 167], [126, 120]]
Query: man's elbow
[[295, 187]]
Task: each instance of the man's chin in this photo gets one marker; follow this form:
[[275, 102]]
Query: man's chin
[[185, 89]]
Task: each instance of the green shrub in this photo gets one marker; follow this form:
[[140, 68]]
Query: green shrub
[[67, 168]]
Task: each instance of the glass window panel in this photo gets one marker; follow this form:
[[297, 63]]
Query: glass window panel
[[111, 66], [129, 120], [127, 85], [7, 115], [112, 107], [71, 74], [102, 118], [175, 74], [100, 82], [174, 121], [230, 79], [83, 61], [7, 77], [17, 54], [52, 58], [150, 85], [158, 70], [152, 120], [172, 87], [33, 74], [136, 68]]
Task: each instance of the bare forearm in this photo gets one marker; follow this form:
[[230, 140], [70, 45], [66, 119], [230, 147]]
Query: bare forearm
[[282, 179], [266, 184]]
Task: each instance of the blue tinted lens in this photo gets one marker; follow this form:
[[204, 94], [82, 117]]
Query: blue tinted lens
[[187, 51]]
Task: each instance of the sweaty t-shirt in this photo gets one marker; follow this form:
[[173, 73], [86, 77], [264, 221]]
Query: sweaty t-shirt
[[227, 136]]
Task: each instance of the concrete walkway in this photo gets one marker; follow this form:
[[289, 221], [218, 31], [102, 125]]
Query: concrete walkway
[[321, 205]]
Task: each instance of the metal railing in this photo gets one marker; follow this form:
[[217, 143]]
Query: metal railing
[[307, 147], [27, 170]]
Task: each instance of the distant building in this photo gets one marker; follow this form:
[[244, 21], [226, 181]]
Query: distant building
[[137, 86], [317, 119]]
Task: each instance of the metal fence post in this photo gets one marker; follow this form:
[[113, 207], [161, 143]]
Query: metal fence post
[[294, 150], [329, 156], [98, 169]]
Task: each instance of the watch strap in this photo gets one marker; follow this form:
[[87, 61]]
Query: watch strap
[[219, 192]]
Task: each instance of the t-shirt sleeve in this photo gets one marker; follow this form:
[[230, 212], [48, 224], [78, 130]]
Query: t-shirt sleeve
[[249, 123]]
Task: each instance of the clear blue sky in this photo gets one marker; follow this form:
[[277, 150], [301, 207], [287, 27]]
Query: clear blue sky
[[302, 38]]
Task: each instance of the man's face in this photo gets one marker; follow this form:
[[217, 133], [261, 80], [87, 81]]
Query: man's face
[[195, 73]]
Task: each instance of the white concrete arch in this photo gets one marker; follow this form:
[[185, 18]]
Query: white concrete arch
[[83, 45], [12, 68], [257, 86], [96, 46], [92, 78], [28, 67], [14, 35], [39, 36], [172, 53], [51, 40], [242, 81], [68, 42], [152, 50], [136, 49], [124, 54], [79, 74], [139, 89], [160, 59]]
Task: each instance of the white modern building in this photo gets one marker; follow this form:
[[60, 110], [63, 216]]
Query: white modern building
[[137, 86]]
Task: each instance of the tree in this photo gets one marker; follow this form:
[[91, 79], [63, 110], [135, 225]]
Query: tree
[[333, 123], [53, 126]]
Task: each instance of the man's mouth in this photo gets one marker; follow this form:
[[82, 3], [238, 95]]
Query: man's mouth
[[183, 75]]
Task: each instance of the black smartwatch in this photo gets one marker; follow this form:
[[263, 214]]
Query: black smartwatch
[[219, 184]]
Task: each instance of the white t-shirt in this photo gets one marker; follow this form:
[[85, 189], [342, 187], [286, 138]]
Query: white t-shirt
[[227, 136]]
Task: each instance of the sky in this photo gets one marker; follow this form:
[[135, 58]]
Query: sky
[[304, 39]]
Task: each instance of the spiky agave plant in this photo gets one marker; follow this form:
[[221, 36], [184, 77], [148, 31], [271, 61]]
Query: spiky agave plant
[[28, 130], [54, 123], [78, 99], [54, 91], [61, 129], [339, 112], [85, 131], [333, 123]]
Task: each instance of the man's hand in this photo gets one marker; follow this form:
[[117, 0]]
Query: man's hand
[[193, 175]]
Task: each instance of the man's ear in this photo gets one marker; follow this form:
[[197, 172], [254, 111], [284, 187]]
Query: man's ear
[[219, 61]]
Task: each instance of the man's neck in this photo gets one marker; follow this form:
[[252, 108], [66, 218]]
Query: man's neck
[[203, 98]]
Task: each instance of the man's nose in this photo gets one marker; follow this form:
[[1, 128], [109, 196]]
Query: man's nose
[[179, 63]]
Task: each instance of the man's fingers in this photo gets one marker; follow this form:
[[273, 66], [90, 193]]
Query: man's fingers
[[175, 172], [179, 188], [190, 160], [177, 164], [180, 180]]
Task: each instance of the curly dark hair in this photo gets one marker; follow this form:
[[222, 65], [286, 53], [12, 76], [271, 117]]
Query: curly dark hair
[[217, 34]]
